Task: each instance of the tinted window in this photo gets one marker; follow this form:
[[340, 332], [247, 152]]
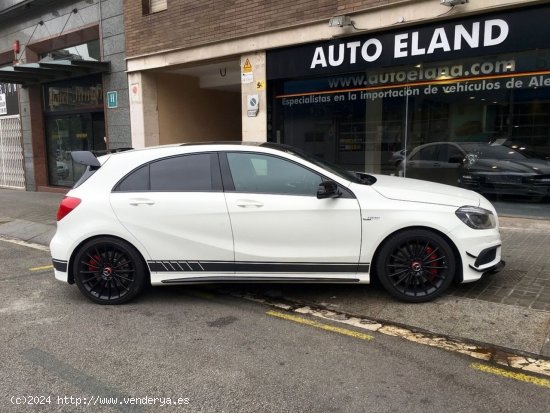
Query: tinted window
[[136, 181], [269, 174], [448, 153], [425, 154], [181, 173]]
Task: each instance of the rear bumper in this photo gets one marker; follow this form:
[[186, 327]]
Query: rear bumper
[[60, 270]]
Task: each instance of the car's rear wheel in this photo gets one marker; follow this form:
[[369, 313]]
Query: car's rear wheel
[[416, 265], [108, 271]]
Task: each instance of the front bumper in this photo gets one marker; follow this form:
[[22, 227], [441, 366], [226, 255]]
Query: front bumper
[[482, 260], [506, 184], [496, 268]]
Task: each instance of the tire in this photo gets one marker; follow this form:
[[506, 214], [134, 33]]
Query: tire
[[416, 265], [108, 271]]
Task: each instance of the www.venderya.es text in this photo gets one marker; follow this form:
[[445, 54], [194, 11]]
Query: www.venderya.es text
[[98, 401]]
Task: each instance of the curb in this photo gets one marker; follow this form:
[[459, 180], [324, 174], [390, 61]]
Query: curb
[[504, 357]]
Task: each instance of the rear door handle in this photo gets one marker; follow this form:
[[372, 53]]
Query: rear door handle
[[141, 201], [248, 203]]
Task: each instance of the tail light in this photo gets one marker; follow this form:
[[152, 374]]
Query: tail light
[[66, 206]]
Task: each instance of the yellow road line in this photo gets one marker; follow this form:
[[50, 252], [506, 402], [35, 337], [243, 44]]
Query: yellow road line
[[44, 267], [511, 375], [322, 326]]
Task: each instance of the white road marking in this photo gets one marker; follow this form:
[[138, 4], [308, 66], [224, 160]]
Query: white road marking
[[25, 244]]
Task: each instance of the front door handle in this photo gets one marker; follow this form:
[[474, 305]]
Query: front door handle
[[248, 203], [141, 201]]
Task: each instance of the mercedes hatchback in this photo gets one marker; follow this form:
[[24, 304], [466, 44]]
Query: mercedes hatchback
[[219, 213]]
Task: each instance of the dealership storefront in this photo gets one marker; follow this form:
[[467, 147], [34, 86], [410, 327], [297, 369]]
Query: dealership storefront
[[464, 102]]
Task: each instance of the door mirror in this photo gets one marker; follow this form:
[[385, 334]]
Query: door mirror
[[328, 189]]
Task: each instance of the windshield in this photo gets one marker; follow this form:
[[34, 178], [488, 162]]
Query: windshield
[[335, 169]]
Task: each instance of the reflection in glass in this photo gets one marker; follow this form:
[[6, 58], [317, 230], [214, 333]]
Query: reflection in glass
[[489, 132]]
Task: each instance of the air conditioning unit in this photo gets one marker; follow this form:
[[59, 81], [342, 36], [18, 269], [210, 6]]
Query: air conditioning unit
[[452, 3]]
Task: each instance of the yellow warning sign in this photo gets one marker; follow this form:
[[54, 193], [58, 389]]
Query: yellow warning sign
[[247, 67], [260, 85]]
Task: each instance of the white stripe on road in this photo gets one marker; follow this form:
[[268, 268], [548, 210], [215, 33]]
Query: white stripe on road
[[25, 243]]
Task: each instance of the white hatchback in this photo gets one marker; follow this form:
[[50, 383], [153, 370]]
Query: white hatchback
[[203, 213]]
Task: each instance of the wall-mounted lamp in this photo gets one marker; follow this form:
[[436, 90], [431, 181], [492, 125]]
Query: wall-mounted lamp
[[340, 21], [452, 3]]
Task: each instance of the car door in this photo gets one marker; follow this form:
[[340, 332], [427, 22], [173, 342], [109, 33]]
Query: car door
[[279, 225], [450, 160], [422, 163], [176, 209]]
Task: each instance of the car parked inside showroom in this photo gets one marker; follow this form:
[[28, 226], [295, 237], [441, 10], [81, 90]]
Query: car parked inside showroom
[[240, 212], [489, 169]]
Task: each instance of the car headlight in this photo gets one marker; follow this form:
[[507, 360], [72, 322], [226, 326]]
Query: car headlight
[[476, 217]]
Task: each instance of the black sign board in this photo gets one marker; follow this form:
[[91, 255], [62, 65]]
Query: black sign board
[[480, 35]]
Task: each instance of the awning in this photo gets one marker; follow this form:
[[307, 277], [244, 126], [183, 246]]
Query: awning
[[36, 73]]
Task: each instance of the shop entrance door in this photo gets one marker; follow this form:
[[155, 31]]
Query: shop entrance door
[[67, 133]]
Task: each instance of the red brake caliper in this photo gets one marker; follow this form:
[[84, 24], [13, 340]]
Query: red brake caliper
[[432, 257], [93, 264]]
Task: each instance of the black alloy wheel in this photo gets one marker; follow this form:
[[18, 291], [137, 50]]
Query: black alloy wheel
[[416, 265], [108, 271]]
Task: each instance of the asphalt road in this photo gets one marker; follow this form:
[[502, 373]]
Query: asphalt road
[[215, 353]]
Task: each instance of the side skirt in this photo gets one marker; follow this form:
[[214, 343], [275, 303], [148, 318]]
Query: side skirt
[[202, 272], [258, 279]]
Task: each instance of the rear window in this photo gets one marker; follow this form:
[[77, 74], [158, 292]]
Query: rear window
[[90, 170]]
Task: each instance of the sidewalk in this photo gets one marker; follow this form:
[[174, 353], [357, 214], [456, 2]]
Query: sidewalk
[[510, 309]]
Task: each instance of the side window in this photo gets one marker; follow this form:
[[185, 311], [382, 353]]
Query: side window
[[136, 181], [182, 173], [198, 172], [153, 6], [425, 154], [446, 152], [454, 155], [266, 174]]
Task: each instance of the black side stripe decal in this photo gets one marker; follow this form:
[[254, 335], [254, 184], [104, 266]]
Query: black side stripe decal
[[262, 279], [246, 266]]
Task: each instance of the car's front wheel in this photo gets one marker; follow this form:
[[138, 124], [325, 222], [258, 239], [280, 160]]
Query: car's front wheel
[[416, 265], [108, 271]]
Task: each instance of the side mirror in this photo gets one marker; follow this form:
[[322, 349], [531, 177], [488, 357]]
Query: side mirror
[[328, 189]]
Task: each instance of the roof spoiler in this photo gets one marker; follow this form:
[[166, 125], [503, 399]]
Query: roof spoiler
[[85, 158]]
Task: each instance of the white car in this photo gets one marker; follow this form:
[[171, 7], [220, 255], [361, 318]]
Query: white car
[[203, 213]]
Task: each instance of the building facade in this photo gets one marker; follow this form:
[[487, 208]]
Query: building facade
[[453, 94], [66, 58]]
